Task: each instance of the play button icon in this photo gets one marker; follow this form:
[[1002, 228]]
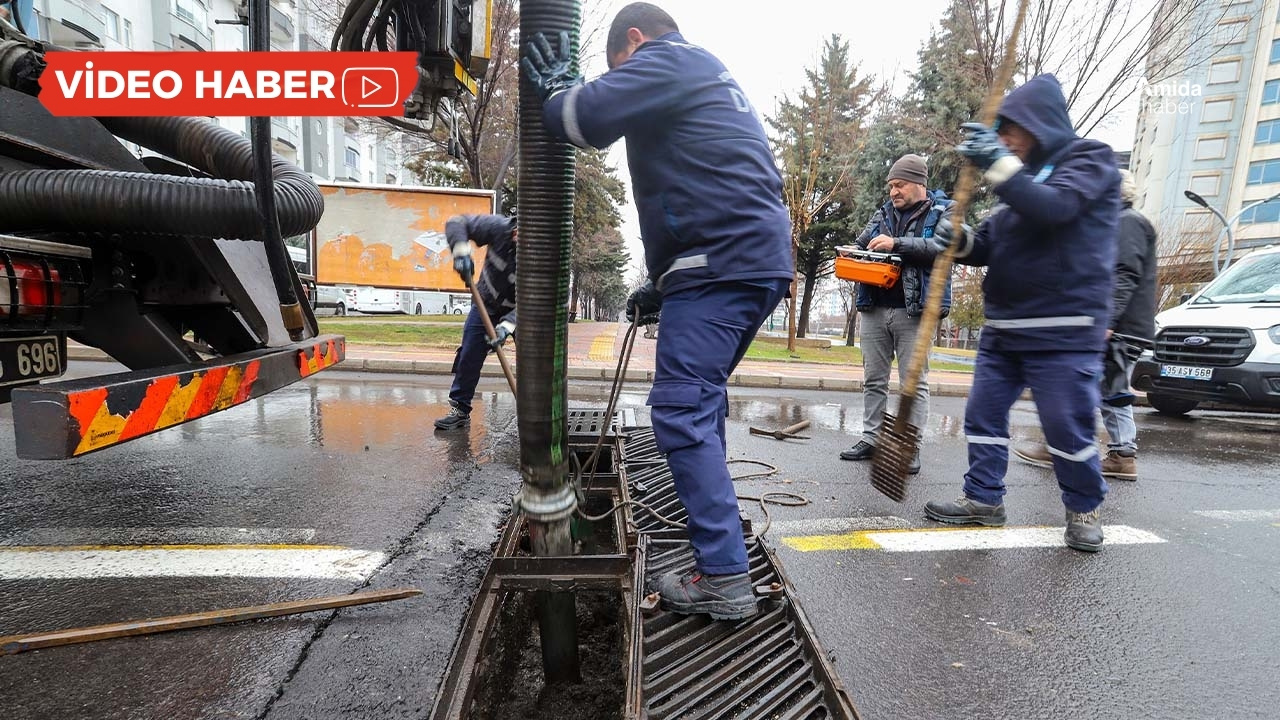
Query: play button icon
[[370, 87]]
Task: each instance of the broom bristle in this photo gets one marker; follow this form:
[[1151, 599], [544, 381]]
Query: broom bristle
[[896, 449]]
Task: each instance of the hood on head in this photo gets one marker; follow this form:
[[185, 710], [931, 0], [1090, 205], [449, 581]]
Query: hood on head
[[1041, 108]]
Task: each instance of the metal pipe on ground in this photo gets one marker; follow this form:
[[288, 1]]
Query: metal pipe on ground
[[547, 497]]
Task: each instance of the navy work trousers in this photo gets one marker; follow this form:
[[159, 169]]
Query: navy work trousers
[[469, 360], [703, 334], [1066, 390]]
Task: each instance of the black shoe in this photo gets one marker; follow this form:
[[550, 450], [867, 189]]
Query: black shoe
[[1084, 530], [862, 451], [965, 512], [914, 467], [723, 597], [457, 418]]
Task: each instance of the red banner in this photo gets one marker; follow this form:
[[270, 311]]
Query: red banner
[[306, 84]]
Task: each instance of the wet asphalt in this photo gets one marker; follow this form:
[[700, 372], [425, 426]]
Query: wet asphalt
[[1184, 628]]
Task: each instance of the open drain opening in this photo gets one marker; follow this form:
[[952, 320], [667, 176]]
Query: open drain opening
[[511, 685]]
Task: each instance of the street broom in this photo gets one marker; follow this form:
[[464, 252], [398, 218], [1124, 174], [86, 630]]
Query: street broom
[[900, 440]]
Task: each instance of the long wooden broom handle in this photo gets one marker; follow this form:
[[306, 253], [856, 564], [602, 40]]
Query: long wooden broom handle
[[964, 192]]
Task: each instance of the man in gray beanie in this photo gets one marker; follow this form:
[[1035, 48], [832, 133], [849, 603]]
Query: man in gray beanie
[[891, 315]]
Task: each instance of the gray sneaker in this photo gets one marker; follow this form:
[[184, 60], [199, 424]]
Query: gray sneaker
[[965, 512], [457, 418], [1084, 530], [723, 597]]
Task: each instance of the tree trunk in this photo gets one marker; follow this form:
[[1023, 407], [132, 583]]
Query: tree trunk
[[791, 306], [805, 306], [850, 325], [573, 300]]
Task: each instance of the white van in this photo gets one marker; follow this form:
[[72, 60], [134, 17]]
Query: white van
[[1222, 345]]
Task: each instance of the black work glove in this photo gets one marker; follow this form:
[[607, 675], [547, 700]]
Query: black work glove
[[945, 235], [646, 301], [502, 331], [462, 262], [548, 70]]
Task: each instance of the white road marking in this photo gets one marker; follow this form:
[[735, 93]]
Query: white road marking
[[160, 536], [943, 539], [837, 526], [1240, 515], [71, 563]]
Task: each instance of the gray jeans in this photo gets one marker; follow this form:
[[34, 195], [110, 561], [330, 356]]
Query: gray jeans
[[886, 333], [1119, 420]]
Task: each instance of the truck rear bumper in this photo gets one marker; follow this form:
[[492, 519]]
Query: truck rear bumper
[[66, 419]]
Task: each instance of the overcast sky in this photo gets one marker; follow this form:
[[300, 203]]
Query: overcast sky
[[767, 46]]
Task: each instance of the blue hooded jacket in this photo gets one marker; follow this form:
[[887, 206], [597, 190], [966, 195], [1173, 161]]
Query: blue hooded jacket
[[1050, 246], [706, 188]]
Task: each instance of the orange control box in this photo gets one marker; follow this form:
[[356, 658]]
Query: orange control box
[[872, 269]]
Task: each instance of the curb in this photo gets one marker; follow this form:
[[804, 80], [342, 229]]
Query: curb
[[605, 375]]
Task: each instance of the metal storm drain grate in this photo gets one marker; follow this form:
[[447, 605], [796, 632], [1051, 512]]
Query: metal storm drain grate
[[585, 424], [638, 661], [768, 666]]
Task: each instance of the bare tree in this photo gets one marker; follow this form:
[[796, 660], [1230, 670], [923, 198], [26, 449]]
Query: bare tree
[[1103, 51]]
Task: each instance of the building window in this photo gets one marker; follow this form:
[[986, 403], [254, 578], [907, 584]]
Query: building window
[[193, 11], [391, 179], [1271, 92], [1275, 51], [1211, 148], [1205, 185], [1225, 71], [352, 159], [1230, 32], [1264, 171], [1264, 213], [113, 23], [319, 127], [1268, 132], [127, 39], [1216, 111]]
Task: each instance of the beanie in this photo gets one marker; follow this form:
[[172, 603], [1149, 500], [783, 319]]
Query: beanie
[[1128, 188], [911, 168]]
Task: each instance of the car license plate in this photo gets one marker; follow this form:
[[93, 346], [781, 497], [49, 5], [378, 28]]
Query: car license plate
[[24, 360], [1188, 372]]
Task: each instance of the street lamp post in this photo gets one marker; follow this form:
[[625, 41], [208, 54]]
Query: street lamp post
[[1228, 227]]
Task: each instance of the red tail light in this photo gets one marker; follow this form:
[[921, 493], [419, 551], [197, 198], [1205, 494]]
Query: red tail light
[[29, 288]]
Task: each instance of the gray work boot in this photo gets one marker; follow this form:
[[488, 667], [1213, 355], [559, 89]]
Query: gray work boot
[[723, 597], [457, 418], [1084, 530], [965, 512], [1037, 455]]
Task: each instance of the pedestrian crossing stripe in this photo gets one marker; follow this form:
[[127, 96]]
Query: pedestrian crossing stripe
[[277, 561], [948, 539]]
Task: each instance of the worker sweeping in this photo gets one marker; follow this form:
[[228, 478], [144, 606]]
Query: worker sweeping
[[496, 287], [1049, 249]]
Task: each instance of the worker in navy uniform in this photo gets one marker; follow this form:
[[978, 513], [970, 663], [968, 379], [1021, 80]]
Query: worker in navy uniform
[[1050, 250], [718, 249], [497, 288]]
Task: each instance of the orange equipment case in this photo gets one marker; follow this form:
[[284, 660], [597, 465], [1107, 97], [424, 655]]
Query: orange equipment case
[[864, 266]]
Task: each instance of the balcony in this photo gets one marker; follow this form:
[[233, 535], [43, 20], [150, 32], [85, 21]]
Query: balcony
[[284, 132], [281, 28], [76, 23]]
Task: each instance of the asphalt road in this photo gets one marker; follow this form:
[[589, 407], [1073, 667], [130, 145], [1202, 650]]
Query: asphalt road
[[338, 483]]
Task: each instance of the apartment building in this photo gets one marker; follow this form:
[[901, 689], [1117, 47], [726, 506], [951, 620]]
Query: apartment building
[[1214, 128], [327, 148]]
